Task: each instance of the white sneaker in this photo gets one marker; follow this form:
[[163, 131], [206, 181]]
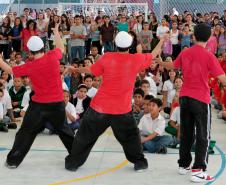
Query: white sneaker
[[184, 171], [198, 175]]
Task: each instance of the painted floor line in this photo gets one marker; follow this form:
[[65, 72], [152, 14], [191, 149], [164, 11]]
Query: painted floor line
[[222, 168], [95, 151], [94, 175]]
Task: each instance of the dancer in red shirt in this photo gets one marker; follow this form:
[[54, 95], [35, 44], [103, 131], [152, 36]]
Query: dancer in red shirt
[[111, 106], [48, 101], [196, 63]]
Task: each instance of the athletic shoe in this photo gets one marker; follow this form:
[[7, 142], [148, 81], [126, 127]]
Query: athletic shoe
[[12, 126], [141, 165], [4, 128], [163, 150], [184, 171], [198, 175], [10, 166]]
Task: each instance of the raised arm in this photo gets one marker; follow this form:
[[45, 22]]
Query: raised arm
[[57, 37], [5, 67], [167, 65], [71, 69]]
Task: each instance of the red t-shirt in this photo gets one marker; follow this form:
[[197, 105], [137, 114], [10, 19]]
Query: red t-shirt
[[44, 74], [119, 72], [196, 64], [25, 36]]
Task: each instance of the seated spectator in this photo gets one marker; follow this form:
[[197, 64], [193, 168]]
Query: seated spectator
[[16, 93], [72, 117], [173, 127], [152, 128], [144, 76], [88, 62], [97, 82], [146, 101], [8, 81], [8, 117], [138, 96], [94, 53], [74, 79], [88, 81], [81, 101], [3, 126], [168, 86], [19, 60]]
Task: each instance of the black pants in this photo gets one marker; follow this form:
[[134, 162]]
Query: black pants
[[176, 50], [6, 49], [93, 125], [195, 125], [34, 122], [88, 46], [16, 44]]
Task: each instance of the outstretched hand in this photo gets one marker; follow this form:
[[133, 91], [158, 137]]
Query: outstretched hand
[[70, 69], [56, 28]]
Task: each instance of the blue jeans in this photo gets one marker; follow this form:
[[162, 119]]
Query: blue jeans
[[156, 144], [78, 50], [108, 46]]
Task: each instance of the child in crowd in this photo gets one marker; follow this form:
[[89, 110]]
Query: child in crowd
[[88, 81], [19, 60], [71, 113], [145, 37], [16, 93], [8, 117], [81, 101], [97, 82], [167, 87], [8, 81], [143, 75], [212, 43], [75, 78], [88, 62], [152, 127], [138, 96], [146, 101], [222, 40], [167, 48], [3, 126], [185, 37], [94, 53], [173, 127]]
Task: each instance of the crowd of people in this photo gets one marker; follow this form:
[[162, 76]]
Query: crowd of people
[[155, 103]]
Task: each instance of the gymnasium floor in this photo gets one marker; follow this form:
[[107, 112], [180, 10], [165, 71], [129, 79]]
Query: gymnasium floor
[[106, 165]]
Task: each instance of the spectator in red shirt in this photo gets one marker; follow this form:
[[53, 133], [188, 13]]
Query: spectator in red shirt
[[26, 34], [111, 106], [196, 64], [48, 101]]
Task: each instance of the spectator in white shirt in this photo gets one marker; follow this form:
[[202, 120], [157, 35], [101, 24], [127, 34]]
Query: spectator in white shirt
[[162, 29], [72, 116], [88, 81], [19, 59], [174, 124], [152, 128], [168, 86]]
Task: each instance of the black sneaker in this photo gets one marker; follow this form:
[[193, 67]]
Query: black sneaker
[[4, 128], [163, 150], [141, 165], [10, 166], [12, 126]]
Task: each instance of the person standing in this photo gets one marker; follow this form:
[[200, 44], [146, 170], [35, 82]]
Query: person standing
[[111, 106], [196, 64], [48, 101]]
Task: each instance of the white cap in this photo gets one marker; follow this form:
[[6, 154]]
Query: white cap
[[123, 39], [35, 43]]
